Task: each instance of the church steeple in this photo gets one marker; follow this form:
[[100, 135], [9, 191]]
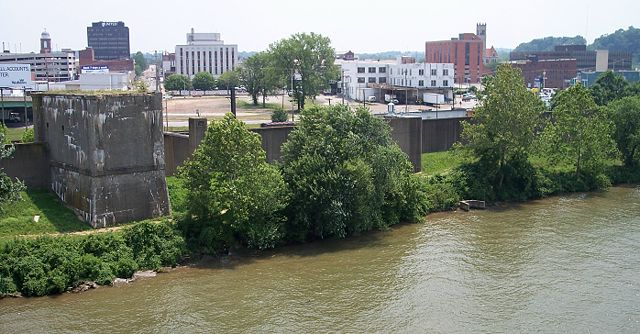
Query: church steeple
[[45, 42]]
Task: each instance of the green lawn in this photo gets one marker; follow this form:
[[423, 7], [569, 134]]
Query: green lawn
[[15, 134], [17, 218], [440, 162], [248, 105]]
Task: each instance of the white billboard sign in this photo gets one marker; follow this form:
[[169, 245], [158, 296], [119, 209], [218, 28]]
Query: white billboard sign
[[15, 75]]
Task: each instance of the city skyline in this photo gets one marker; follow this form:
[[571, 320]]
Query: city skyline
[[370, 26]]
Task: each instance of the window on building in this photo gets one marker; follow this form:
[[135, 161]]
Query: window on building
[[361, 80], [410, 72], [445, 83], [372, 70], [360, 69], [372, 80], [433, 83], [434, 71], [391, 71], [382, 80], [382, 70], [420, 72], [445, 72], [421, 83]]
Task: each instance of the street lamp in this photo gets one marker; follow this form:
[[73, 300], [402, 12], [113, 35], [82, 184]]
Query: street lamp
[[293, 93]]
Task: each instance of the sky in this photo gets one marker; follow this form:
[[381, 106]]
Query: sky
[[357, 25]]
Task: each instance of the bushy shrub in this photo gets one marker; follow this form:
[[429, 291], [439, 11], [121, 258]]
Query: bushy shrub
[[235, 197], [346, 175], [49, 265], [279, 115]]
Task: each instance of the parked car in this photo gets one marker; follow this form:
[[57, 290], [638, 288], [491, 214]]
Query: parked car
[[371, 98]]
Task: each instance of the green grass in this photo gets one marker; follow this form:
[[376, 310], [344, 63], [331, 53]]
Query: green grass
[[248, 105], [15, 134], [440, 162], [17, 218]]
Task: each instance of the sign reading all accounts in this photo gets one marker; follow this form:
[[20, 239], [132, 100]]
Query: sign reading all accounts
[[15, 76]]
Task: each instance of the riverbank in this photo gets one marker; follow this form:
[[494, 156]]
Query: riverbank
[[564, 263]]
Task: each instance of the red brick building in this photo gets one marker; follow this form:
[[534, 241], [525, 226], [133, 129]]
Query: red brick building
[[466, 53], [551, 73]]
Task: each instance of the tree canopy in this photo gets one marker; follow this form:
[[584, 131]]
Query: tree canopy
[[229, 79], [235, 196], [346, 175], [621, 40], [547, 43], [140, 63], [503, 127], [203, 81], [625, 114], [257, 75], [311, 58], [580, 133], [609, 87], [177, 82]]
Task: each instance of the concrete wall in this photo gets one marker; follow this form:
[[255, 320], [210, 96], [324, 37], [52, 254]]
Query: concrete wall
[[176, 151], [440, 134], [272, 140], [407, 133], [29, 163], [106, 154]]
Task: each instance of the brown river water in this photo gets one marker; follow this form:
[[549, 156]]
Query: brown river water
[[564, 264]]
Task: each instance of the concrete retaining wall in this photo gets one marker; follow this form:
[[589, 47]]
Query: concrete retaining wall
[[407, 133], [106, 154], [272, 140], [176, 151], [440, 134], [29, 163]]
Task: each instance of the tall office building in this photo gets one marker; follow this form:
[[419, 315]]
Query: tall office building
[[205, 52], [109, 40]]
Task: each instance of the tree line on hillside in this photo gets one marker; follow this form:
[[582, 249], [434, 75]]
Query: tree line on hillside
[[621, 40], [302, 64]]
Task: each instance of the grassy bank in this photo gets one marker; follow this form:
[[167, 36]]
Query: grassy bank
[[17, 218]]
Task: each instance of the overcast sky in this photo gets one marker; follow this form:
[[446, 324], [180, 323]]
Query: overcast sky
[[361, 26]]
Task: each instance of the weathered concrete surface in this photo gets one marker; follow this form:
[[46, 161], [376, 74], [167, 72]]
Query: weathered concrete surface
[[176, 151], [30, 164], [272, 140], [440, 134], [106, 154], [197, 131], [407, 133]]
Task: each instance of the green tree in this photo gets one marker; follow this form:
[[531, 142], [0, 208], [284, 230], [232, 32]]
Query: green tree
[[257, 75], [229, 79], [235, 196], [503, 128], [140, 63], [203, 81], [177, 82], [621, 40], [547, 43], [346, 175], [311, 57], [580, 133], [140, 86], [9, 189], [625, 114], [609, 87], [28, 136]]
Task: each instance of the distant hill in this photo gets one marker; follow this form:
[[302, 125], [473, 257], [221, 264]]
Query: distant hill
[[621, 40], [547, 43]]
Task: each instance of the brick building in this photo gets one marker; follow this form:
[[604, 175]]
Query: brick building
[[552, 73], [467, 53], [586, 59]]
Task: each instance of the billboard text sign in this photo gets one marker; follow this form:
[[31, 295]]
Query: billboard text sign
[[15, 75]]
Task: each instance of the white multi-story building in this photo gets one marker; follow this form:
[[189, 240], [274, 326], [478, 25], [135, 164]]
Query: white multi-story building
[[362, 78], [205, 52], [48, 65]]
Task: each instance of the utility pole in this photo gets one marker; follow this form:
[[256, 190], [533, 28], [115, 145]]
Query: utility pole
[[2, 102], [157, 72], [26, 116]]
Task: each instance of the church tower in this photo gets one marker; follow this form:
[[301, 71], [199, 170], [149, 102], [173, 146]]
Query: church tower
[[45, 42]]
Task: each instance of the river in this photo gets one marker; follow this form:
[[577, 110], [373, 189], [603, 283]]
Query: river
[[564, 264]]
